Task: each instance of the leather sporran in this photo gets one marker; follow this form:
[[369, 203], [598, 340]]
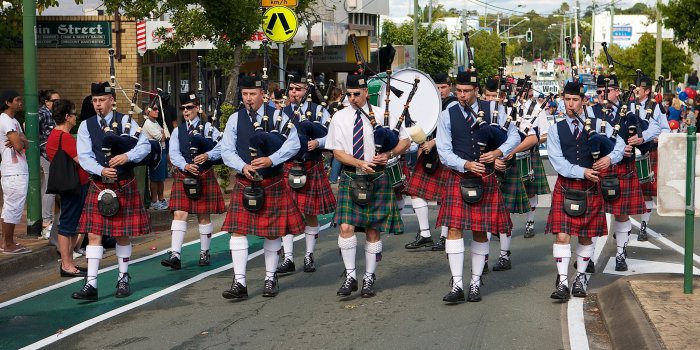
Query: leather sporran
[[610, 185], [253, 198], [107, 203], [297, 177], [193, 187], [575, 202], [472, 189], [431, 161], [361, 190]]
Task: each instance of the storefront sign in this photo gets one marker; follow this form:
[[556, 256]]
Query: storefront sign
[[72, 34]]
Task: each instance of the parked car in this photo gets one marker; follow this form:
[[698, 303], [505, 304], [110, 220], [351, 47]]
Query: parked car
[[559, 61], [517, 61]]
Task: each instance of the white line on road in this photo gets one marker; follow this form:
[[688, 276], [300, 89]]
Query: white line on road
[[639, 266], [666, 241]]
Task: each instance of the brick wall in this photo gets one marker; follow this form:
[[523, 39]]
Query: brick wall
[[70, 71]]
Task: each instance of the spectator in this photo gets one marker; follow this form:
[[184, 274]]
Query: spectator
[[46, 124], [14, 170], [154, 132], [335, 99], [674, 108], [692, 80], [65, 117]]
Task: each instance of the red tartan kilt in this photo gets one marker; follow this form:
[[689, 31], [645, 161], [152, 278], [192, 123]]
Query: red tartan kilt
[[401, 190], [424, 185], [649, 188], [631, 201], [210, 202], [130, 220], [316, 197], [278, 217], [592, 224], [489, 214]]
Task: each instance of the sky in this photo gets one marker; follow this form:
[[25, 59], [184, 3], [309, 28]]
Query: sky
[[400, 8]]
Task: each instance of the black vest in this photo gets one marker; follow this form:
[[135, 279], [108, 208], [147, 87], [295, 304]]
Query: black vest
[[96, 137], [464, 143], [316, 154], [244, 132], [575, 151], [184, 139]]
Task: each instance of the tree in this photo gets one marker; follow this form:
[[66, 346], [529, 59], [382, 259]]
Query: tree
[[228, 24], [682, 16], [435, 53], [636, 9], [487, 53], [11, 17]]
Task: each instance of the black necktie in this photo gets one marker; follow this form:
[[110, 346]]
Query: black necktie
[[103, 123], [576, 132]]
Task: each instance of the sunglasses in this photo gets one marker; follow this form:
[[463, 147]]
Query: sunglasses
[[356, 94], [188, 107], [296, 88], [54, 100]]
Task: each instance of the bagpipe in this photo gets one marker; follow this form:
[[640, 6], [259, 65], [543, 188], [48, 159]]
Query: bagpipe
[[202, 140]]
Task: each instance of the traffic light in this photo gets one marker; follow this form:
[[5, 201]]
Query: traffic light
[[528, 35]]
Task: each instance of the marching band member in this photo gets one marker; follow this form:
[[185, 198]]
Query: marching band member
[[111, 177], [366, 199], [425, 183], [459, 151], [538, 184], [195, 189], [577, 205], [315, 197], [277, 215]]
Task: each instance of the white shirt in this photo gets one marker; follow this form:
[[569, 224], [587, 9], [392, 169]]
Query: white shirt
[[153, 131], [13, 162], [340, 131]]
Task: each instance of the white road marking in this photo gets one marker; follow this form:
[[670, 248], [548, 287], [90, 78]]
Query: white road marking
[[666, 241], [633, 242], [638, 266]]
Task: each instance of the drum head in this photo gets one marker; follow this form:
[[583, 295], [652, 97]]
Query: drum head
[[426, 105]]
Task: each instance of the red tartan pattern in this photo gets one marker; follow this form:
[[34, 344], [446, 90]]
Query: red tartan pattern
[[316, 197], [591, 224], [489, 214], [210, 202], [401, 190], [278, 217], [130, 220], [649, 188], [424, 185], [631, 201]]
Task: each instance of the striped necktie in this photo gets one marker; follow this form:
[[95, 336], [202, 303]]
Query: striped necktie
[[576, 132], [358, 139]]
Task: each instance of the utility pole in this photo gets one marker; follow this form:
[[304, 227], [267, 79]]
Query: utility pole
[[415, 30], [612, 22], [593, 34], [31, 108], [498, 23], [578, 40], [657, 65], [430, 11]]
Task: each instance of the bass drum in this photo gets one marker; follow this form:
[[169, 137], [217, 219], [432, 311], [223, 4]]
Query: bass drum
[[426, 105]]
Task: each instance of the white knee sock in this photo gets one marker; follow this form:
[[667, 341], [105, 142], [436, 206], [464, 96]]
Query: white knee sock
[[239, 256], [533, 207], [311, 233], [505, 245], [420, 206], [562, 256], [123, 253], [622, 234], [348, 249], [373, 254], [93, 254], [288, 243], [647, 215], [488, 236], [205, 232], [178, 227], [443, 231], [479, 252], [454, 248], [583, 255], [272, 256]]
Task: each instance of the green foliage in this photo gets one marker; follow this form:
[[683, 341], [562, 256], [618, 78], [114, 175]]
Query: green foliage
[[683, 16], [223, 171], [640, 56], [434, 47], [11, 18], [487, 53]]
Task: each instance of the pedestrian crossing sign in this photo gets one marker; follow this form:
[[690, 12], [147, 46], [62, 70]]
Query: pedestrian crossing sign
[[280, 24]]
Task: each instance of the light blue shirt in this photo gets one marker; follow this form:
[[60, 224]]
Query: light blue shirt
[[289, 148], [657, 123], [174, 146], [444, 137], [87, 158], [324, 119], [563, 166]]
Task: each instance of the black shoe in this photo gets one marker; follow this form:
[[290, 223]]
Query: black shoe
[[204, 258], [486, 269], [287, 266], [440, 244], [579, 288], [237, 291], [589, 269], [349, 286], [502, 263], [123, 289], [368, 286], [643, 236], [420, 241], [271, 288], [454, 296], [530, 229], [620, 263], [474, 292], [309, 265], [79, 273], [172, 262], [561, 291], [88, 292]]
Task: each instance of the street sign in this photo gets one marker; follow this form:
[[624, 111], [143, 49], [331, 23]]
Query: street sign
[[271, 3], [280, 24]]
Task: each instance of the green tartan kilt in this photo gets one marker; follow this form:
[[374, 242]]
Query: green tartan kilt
[[513, 190], [381, 213], [539, 183]]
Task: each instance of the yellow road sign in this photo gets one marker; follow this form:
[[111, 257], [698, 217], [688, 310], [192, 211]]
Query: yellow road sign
[[270, 3], [280, 24]]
